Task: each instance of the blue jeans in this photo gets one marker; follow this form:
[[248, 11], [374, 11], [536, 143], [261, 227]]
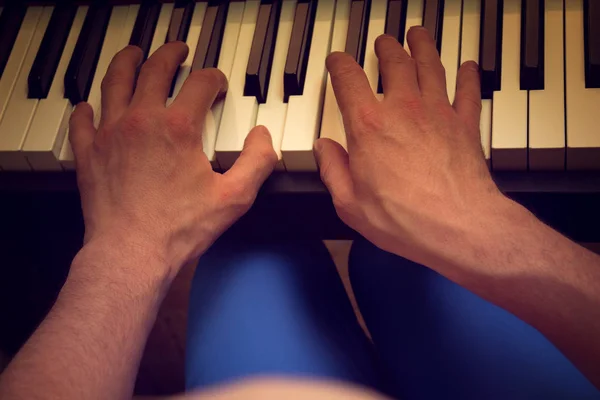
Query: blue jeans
[[281, 309]]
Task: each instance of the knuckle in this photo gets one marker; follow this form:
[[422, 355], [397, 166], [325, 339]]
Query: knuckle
[[345, 72], [369, 118], [394, 58], [179, 122], [432, 64], [114, 78], [135, 122], [208, 78], [411, 62], [413, 106], [338, 62], [266, 155], [238, 197]]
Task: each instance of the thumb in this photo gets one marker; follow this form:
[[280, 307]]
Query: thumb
[[334, 168], [81, 130], [256, 162]]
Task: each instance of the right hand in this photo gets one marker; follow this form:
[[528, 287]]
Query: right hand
[[414, 180]]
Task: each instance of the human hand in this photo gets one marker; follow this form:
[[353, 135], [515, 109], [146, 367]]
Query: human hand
[[414, 180], [143, 177]]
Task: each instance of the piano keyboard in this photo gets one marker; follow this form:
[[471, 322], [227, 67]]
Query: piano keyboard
[[540, 63]]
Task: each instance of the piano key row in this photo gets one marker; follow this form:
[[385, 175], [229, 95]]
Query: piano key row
[[273, 53]]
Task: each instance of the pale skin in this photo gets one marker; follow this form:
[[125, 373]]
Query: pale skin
[[152, 203]]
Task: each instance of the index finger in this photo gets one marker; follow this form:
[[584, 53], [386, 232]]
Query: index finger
[[350, 84]]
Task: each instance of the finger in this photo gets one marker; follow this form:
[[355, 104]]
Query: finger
[[81, 130], [350, 84], [256, 162], [156, 75], [467, 101], [398, 69], [199, 92], [430, 72], [334, 169], [118, 83]]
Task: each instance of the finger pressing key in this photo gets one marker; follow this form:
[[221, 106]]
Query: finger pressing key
[[398, 70], [156, 75], [118, 83], [199, 92], [350, 84], [430, 71], [467, 101]]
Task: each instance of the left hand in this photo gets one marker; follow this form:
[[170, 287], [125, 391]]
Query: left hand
[[143, 177]]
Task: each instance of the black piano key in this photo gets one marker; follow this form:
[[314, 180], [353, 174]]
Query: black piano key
[[214, 48], [532, 44], [591, 15], [208, 24], [358, 25], [181, 18], [145, 24], [395, 25], [395, 19], [81, 69], [260, 61], [433, 19], [299, 49], [10, 24], [211, 35], [48, 56], [490, 46]]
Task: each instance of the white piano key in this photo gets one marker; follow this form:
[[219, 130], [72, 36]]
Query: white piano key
[[470, 52], [332, 126], [272, 113], [49, 126], [414, 17], [547, 107], [20, 109], [17, 56], [450, 50], [162, 27], [304, 112], [192, 42], [239, 111], [112, 42], [583, 116], [509, 115], [376, 29], [226, 56]]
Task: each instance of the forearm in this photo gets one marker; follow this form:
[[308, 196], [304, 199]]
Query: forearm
[[525, 267], [90, 344]]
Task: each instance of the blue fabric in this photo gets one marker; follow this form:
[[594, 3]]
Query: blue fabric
[[438, 340], [276, 309], [281, 309]]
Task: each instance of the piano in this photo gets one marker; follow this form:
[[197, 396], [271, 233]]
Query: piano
[[540, 69]]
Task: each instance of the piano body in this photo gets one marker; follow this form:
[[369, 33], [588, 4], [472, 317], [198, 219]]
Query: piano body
[[540, 125]]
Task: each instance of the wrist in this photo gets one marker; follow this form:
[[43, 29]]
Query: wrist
[[124, 261], [486, 237]]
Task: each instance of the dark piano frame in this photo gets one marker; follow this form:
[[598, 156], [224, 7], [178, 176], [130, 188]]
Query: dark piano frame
[[297, 205]]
